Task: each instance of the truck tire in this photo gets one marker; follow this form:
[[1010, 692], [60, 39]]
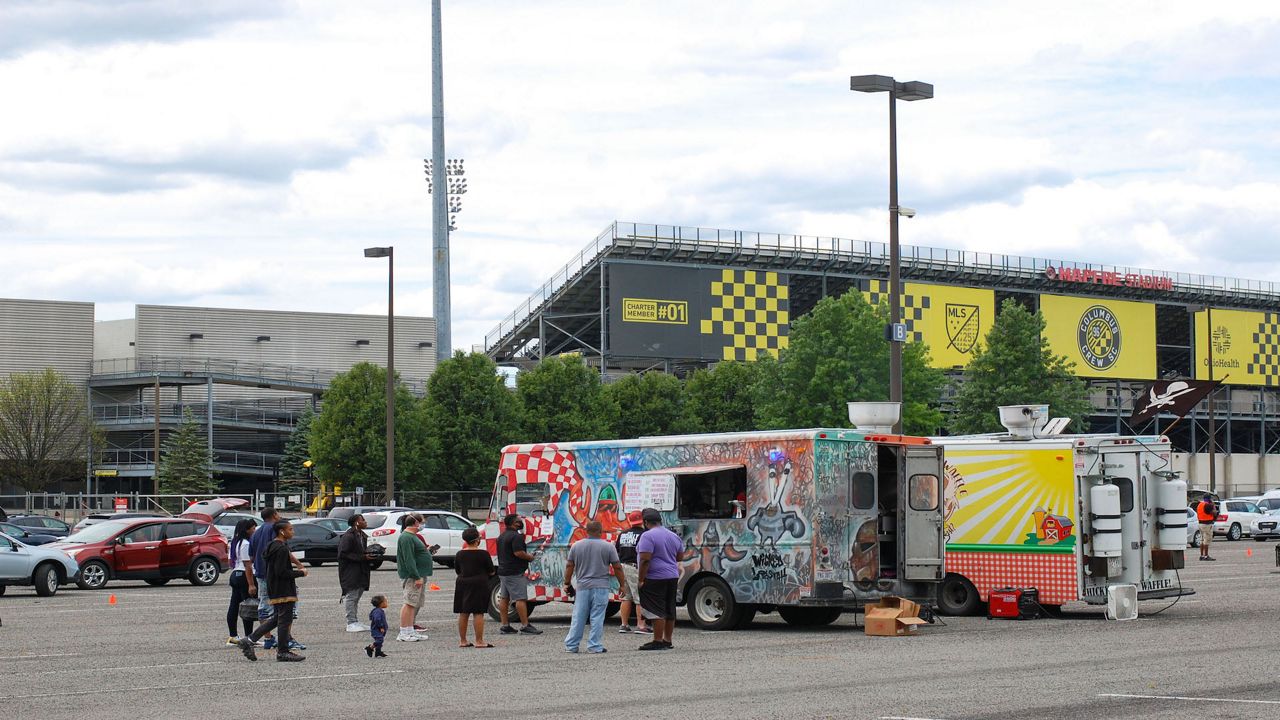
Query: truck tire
[[957, 596], [493, 599], [711, 605], [809, 617], [1235, 532], [46, 580]]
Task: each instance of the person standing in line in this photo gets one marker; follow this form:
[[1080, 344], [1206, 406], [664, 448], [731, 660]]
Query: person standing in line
[[282, 576], [377, 626], [471, 592], [243, 585], [1206, 515], [626, 547], [262, 538], [658, 572], [353, 569], [513, 560], [414, 566], [591, 559], [433, 549]]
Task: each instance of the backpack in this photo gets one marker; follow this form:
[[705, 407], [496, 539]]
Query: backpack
[[1210, 509]]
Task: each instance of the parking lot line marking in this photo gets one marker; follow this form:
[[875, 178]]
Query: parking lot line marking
[[32, 657], [1190, 699], [116, 667], [228, 683], [904, 717]]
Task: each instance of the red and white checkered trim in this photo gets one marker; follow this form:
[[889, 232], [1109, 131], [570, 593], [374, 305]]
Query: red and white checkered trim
[[541, 464], [1055, 576]]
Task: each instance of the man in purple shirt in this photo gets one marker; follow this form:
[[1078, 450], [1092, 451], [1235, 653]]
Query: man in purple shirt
[[659, 572]]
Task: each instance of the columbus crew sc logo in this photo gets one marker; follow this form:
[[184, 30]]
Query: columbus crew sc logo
[[1099, 337]]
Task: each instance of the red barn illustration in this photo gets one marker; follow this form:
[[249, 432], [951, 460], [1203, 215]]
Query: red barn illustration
[[1052, 528]]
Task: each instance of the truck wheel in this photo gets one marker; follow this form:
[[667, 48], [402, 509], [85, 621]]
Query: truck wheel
[[610, 610], [809, 617], [93, 575], [493, 599], [711, 605], [1234, 533], [957, 596], [46, 580]]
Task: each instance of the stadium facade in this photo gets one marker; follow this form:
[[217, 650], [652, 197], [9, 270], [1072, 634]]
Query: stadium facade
[[671, 297]]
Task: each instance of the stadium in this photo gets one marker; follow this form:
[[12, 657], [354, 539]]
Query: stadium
[[643, 296]]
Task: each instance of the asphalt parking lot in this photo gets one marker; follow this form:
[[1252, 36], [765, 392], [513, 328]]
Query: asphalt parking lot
[[158, 652]]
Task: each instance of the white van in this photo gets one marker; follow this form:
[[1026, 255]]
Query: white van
[[1269, 500]]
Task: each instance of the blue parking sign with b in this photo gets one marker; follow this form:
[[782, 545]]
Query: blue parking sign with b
[[896, 332]]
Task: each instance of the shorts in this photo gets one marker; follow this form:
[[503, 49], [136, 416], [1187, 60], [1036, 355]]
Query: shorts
[[1206, 533], [513, 587], [413, 595], [632, 575], [658, 599]]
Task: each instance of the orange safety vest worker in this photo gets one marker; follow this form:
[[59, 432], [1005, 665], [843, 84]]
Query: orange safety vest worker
[[1203, 514]]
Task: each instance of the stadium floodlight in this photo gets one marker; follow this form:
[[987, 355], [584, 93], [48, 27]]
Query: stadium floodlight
[[455, 184], [914, 90]]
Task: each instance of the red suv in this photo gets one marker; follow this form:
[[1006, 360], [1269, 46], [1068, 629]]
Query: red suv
[[153, 549]]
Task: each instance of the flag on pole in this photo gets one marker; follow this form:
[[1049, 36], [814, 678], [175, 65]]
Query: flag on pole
[[1175, 397]]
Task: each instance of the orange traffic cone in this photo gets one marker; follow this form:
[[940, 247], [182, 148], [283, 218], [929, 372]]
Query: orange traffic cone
[[111, 600], [433, 586], [1248, 552]]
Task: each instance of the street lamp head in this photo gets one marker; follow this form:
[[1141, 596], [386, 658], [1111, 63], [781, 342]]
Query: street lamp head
[[871, 83], [306, 463], [377, 252], [915, 90], [906, 212]]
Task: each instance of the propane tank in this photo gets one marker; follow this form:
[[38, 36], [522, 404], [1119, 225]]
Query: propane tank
[[1104, 502], [1171, 509]]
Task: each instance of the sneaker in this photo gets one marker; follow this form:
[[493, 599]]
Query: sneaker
[[420, 635], [666, 645], [269, 643], [290, 657], [508, 630], [530, 630], [601, 651], [368, 650], [246, 647], [419, 628], [380, 654], [296, 645], [357, 627], [233, 641], [1210, 559], [644, 630], [625, 629], [653, 645], [408, 637], [571, 650]]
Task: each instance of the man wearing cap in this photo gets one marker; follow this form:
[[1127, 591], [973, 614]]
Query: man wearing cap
[[658, 571], [626, 546]]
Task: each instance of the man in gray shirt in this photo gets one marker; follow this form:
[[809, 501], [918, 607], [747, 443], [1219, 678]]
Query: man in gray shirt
[[590, 560]]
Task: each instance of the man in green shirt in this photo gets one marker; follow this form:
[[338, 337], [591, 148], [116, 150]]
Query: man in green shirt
[[414, 565]]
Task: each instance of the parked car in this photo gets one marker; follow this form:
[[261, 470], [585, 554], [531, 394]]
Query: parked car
[[1193, 528], [45, 568], [338, 525], [95, 518], [1235, 517], [156, 550], [42, 524], [226, 522], [26, 536], [1267, 526], [317, 545], [346, 511], [439, 527], [1269, 500]]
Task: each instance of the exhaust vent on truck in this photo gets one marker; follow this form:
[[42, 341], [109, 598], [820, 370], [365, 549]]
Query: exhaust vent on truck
[[874, 417]]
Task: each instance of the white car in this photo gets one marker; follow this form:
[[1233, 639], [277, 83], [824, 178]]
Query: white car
[[1235, 517], [439, 527], [1266, 526], [1193, 529], [44, 568]]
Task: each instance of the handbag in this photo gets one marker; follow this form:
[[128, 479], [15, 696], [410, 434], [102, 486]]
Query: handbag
[[249, 609]]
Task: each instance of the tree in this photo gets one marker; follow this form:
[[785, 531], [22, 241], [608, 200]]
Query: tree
[[45, 429], [348, 439], [186, 466], [562, 401], [838, 354], [293, 474], [650, 403], [722, 398], [470, 415], [1014, 366]]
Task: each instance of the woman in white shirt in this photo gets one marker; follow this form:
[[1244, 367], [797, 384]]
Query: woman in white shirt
[[243, 585]]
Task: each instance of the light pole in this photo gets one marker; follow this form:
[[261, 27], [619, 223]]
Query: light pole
[[439, 206], [896, 332], [1213, 424], [389, 254]]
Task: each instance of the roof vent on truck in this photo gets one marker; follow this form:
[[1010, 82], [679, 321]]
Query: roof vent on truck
[[874, 417], [1023, 421]]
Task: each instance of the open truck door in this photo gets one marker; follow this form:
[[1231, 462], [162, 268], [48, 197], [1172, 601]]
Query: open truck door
[[921, 513]]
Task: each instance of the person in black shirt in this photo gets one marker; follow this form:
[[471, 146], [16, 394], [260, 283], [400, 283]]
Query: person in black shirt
[[513, 561], [626, 545]]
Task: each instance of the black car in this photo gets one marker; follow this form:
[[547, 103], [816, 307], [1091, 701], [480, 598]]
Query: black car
[[18, 532], [316, 545], [42, 525]]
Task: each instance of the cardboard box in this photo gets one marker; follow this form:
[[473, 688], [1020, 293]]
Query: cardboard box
[[892, 617]]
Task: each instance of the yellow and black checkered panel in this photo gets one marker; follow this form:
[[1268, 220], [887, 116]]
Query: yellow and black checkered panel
[[913, 306], [752, 311], [1266, 357]]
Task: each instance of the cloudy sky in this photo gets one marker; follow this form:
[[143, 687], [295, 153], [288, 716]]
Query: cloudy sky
[[240, 153]]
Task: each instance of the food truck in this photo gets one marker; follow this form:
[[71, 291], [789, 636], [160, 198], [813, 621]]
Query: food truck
[[805, 522], [1072, 516]]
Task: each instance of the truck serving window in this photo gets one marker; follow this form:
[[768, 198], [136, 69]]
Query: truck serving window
[[710, 495], [863, 491], [1126, 493]]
